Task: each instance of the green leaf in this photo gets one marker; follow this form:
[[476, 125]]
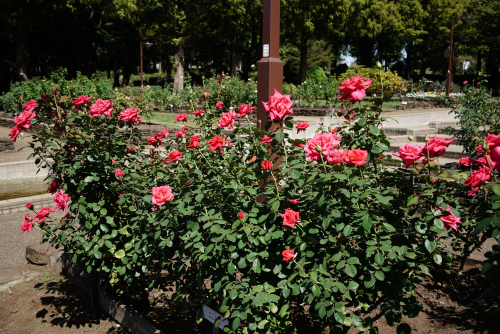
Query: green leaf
[[413, 201], [352, 285], [380, 275], [404, 329], [275, 206], [199, 197], [379, 259], [340, 176], [256, 265], [89, 179], [374, 130], [98, 254], [347, 230], [233, 294], [230, 268], [430, 245], [104, 228], [295, 174], [482, 226], [362, 121], [286, 291], [339, 316], [367, 223], [496, 188], [236, 324], [382, 199], [322, 311], [352, 260], [284, 311], [316, 290], [350, 270], [242, 263], [280, 136], [119, 254]]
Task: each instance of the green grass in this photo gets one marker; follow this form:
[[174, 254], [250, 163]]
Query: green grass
[[166, 119], [386, 105]]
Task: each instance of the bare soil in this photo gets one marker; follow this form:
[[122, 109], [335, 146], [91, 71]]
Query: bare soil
[[47, 304]]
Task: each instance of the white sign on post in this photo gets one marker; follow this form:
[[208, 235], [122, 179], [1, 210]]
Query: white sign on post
[[212, 315], [265, 51]]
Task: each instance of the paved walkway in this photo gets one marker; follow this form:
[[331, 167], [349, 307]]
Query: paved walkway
[[20, 144]]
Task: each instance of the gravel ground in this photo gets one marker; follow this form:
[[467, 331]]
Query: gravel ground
[[12, 243]]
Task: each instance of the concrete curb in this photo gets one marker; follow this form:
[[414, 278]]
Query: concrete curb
[[19, 204]]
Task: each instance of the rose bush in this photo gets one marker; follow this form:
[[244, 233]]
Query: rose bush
[[284, 231]]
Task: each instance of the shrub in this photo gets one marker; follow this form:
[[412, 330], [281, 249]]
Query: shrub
[[317, 74]]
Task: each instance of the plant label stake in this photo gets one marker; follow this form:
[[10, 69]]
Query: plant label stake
[[213, 316]]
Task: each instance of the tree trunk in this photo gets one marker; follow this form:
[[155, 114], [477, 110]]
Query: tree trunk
[[235, 59], [409, 64], [116, 76], [22, 58], [479, 63], [179, 69], [159, 68], [303, 59]]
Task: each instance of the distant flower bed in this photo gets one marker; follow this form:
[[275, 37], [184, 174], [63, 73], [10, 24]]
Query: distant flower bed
[[431, 94]]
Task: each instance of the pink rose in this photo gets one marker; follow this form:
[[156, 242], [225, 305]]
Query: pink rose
[[302, 126], [477, 179], [227, 120], [465, 82], [294, 201], [114, 162], [335, 156], [288, 254], [181, 118], [127, 98], [194, 142], [478, 83], [279, 106], [61, 200], [467, 162], [24, 119], [436, 147], [27, 224], [54, 186], [101, 107], [410, 154], [82, 100], [298, 144], [493, 142], [173, 156], [290, 217], [267, 165], [245, 109], [130, 115], [161, 195], [42, 214], [356, 157], [451, 220], [241, 215], [219, 104], [354, 88], [199, 113], [266, 139], [323, 142], [204, 95], [30, 106], [153, 141], [119, 173], [181, 133], [14, 133], [217, 142], [482, 162]]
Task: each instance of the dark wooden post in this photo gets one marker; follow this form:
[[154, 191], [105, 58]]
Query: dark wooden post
[[450, 58], [270, 67]]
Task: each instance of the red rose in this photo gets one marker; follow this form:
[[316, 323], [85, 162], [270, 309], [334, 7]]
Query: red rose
[[279, 106], [294, 201], [29, 206], [266, 139], [173, 156], [217, 142], [161, 195], [54, 186], [227, 120], [30, 106], [493, 153], [27, 224], [410, 154], [241, 215], [181, 118], [154, 141], [245, 109], [288, 254], [467, 162], [482, 162], [82, 100], [181, 133], [14, 133], [436, 147], [204, 95], [296, 143], [290, 217], [119, 173], [130, 115], [44, 212], [267, 165], [132, 148], [61, 200], [354, 89], [451, 220], [219, 104], [24, 119], [194, 142], [101, 107], [199, 113], [335, 156], [477, 179], [302, 126], [356, 157], [324, 141]]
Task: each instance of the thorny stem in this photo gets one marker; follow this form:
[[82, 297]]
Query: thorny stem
[[489, 164]]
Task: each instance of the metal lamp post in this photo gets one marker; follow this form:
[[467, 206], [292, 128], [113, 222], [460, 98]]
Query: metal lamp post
[[468, 20], [147, 45]]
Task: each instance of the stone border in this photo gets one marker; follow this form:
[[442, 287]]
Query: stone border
[[19, 204], [21, 170]]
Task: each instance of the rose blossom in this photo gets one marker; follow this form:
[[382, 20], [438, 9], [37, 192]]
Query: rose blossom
[[302, 126], [335, 156], [61, 200], [119, 173], [477, 178], [205, 95], [465, 82], [181, 133], [29, 106], [27, 224], [354, 88], [227, 120], [482, 162], [131, 149], [279, 106], [324, 141], [241, 215], [181, 118], [290, 217], [127, 98], [216, 143], [194, 142], [29, 206], [173, 156], [114, 162], [44, 212], [82, 100], [294, 201], [298, 144], [288, 254], [161, 195], [451, 220], [267, 165], [130, 115], [101, 107], [478, 83], [199, 113], [154, 141], [467, 162], [410, 154], [266, 139], [219, 104], [245, 109], [14, 133], [436, 147], [53, 186], [24, 119], [356, 157], [493, 152]]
